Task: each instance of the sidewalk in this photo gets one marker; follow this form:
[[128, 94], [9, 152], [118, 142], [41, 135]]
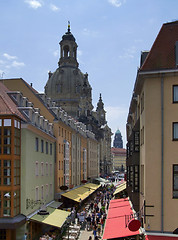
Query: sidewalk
[[84, 235]]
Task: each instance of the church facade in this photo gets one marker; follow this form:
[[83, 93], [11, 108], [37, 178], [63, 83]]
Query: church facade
[[71, 90]]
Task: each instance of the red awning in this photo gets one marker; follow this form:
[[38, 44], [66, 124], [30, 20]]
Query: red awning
[[115, 226], [162, 237]]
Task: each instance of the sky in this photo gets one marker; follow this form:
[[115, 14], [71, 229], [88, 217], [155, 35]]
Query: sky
[[110, 35]]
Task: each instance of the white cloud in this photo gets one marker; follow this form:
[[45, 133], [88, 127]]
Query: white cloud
[[17, 64], [34, 3], [87, 32], [56, 53], [54, 8], [116, 117], [1, 62], [9, 57], [117, 3], [79, 53], [128, 53]]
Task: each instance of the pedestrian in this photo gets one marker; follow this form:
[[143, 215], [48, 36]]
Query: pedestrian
[[99, 229], [94, 230], [90, 238]]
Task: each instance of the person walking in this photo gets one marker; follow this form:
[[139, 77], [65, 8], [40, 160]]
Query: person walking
[[94, 230]]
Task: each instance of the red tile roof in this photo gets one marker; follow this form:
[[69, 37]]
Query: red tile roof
[[162, 53], [118, 150], [7, 106]]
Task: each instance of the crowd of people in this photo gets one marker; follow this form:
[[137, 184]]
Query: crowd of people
[[95, 215], [92, 217]]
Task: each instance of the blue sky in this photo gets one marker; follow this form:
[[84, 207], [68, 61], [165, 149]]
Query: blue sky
[[110, 35]]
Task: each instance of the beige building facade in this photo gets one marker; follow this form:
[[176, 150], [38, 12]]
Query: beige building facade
[[152, 134], [119, 159]]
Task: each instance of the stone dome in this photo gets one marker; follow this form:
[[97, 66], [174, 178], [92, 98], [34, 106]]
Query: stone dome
[[66, 82]]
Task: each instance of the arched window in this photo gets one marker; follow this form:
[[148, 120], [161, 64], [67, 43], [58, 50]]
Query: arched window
[[66, 51]]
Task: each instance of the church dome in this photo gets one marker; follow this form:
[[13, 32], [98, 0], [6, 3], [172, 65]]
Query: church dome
[[68, 86], [118, 132], [66, 82]]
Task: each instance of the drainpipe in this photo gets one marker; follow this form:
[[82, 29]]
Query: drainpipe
[[162, 153]]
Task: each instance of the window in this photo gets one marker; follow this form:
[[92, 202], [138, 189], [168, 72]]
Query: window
[[142, 136], [136, 141], [175, 131], [36, 169], [51, 169], [175, 94], [37, 193], [59, 148], [47, 190], [42, 192], [136, 178], [7, 172], [51, 149], [46, 169], [59, 131], [175, 181], [7, 122], [17, 172], [7, 139], [46, 147], [42, 169], [36, 144], [6, 204], [42, 146]]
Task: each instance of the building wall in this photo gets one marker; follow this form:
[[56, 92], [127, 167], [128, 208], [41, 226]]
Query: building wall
[[37, 170], [151, 154], [93, 160], [10, 166], [119, 160]]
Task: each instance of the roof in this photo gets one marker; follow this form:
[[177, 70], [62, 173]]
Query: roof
[[81, 193], [55, 218], [120, 188], [118, 150], [115, 226], [7, 106], [118, 132], [162, 53]]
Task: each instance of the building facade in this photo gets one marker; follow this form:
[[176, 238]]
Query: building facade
[[152, 176], [119, 159]]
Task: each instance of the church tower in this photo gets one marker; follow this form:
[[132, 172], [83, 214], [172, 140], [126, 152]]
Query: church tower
[[100, 112], [68, 86], [118, 142]]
